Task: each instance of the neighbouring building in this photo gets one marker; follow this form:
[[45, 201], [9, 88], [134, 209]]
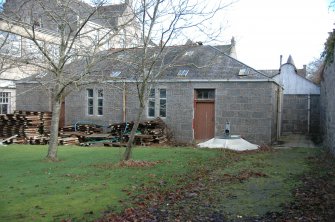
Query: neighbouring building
[[201, 88], [301, 100], [24, 21]]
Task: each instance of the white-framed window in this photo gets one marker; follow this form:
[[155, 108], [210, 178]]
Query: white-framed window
[[90, 102], [157, 103], [205, 94], [95, 102], [162, 102], [10, 44], [151, 103], [100, 102], [4, 102]]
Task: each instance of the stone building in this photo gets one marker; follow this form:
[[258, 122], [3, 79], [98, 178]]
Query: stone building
[[31, 29], [301, 100], [201, 88]]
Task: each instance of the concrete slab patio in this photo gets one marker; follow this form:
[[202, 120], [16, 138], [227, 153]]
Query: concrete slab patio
[[295, 140]]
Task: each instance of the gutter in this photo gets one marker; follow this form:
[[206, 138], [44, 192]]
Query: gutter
[[198, 81]]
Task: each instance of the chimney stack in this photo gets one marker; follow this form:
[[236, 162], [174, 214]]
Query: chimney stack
[[281, 60]]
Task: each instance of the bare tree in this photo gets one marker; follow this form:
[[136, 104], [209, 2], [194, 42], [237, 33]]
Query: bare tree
[[314, 69], [166, 22], [60, 35]]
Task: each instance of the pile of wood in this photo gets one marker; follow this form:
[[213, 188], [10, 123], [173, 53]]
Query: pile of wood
[[149, 132], [85, 128], [34, 128], [72, 140], [25, 124]]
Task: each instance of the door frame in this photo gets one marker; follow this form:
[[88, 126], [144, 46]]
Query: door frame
[[197, 100]]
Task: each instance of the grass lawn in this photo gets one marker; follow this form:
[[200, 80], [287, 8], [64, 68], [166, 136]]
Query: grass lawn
[[88, 181]]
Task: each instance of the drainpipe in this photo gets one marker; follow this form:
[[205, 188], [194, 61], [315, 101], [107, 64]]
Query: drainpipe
[[309, 112], [279, 111], [124, 97]]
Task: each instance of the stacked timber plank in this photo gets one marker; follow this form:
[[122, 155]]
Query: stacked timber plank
[[12, 124], [25, 124], [85, 128], [149, 132]]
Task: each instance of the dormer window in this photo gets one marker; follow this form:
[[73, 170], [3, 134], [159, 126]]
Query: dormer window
[[115, 74], [183, 72]]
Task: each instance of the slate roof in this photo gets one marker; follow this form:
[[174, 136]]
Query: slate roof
[[105, 15], [111, 12], [270, 72], [203, 62]]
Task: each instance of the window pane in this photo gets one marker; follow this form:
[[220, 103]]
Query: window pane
[[151, 112], [205, 94], [162, 93], [151, 108], [90, 106], [90, 110], [100, 102], [100, 111], [100, 92], [162, 108], [152, 93], [211, 94], [90, 92], [90, 102]]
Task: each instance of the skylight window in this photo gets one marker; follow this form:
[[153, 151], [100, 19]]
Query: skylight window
[[242, 72], [189, 53], [115, 73], [183, 72], [41, 75]]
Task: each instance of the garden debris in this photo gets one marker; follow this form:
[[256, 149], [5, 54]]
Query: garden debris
[[148, 132], [314, 200], [244, 175], [137, 163], [2, 141]]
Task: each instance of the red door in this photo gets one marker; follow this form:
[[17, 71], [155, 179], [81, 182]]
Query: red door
[[204, 120]]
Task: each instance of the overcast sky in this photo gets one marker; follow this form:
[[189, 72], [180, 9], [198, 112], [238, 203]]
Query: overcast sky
[[266, 29]]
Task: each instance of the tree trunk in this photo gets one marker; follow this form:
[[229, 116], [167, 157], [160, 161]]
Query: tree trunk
[[128, 152], [53, 142]]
